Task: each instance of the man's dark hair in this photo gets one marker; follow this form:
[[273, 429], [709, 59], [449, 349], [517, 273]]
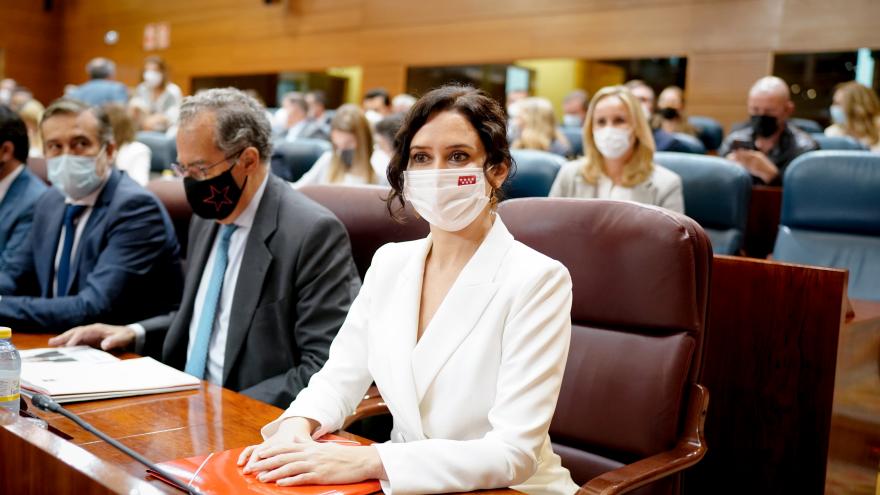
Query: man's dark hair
[[319, 96], [377, 92], [13, 130], [389, 126]]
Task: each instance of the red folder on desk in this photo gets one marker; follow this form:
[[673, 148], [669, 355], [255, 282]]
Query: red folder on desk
[[219, 474]]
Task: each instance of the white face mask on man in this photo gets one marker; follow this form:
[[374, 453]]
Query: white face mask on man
[[613, 142], [75, 176], [449, 199]]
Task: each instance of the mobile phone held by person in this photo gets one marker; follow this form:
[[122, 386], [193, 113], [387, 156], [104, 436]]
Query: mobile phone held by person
[[742, 144]]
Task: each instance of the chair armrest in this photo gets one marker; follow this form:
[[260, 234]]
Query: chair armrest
[[372, 405], [687, 452]]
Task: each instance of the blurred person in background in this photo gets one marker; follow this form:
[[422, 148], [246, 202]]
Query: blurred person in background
[[574, 108], [402, 103], [663, 141], [132, 157], [856, 113], [298, 125], [618, 160], [162, 96], [769, 144], [376, 104], [19, 188], [536, 124], [7, 86], [100, 88], [31, 113], [316, 100], [670, 115], [352, 159], [383, 136]]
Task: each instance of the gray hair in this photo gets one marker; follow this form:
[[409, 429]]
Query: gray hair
[[68, 106], [100, 68], [241, 121]]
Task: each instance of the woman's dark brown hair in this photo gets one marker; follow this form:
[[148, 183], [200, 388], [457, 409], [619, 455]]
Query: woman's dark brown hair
[[480, 109]]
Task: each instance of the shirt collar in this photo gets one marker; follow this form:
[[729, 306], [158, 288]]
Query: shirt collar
[[246, 218], [91, 198]]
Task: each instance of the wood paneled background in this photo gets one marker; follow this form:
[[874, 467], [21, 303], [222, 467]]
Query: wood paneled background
[[729, 43]]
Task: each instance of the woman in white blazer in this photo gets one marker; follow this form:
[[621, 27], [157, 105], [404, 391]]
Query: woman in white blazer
[[465, 333], [618, 160]]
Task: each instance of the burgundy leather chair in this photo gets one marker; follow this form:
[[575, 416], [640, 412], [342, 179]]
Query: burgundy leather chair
[[362, 210], [170, 192], [630, 413]]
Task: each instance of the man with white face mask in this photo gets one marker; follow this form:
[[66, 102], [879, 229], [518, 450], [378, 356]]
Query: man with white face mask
[[101, 248]]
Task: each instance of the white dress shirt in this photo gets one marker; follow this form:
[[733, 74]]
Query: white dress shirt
[[80, 225], [134, 159], [7, 181], [217, 347]]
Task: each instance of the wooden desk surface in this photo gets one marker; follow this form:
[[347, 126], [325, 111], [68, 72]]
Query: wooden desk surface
[[169, 426]]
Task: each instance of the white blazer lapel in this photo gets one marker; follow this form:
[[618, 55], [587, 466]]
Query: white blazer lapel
[[398, 326], [461, 309]]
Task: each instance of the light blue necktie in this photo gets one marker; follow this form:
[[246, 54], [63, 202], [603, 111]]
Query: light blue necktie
[[198, 358]]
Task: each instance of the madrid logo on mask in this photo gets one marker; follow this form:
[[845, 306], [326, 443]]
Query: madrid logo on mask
[[467, 180]]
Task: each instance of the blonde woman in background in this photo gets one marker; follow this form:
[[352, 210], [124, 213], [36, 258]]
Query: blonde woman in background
[[618, 160], [536, 123], [31, 113], [352, 160], [670, 115], [132, 157], [856, 113]]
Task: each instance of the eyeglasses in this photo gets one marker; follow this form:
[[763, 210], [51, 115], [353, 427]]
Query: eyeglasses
[[200, 172]]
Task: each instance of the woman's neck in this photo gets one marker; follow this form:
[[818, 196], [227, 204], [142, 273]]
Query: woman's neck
[[450, 248], [614, 167]]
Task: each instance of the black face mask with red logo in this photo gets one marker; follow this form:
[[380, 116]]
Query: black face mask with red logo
[[213, 198]]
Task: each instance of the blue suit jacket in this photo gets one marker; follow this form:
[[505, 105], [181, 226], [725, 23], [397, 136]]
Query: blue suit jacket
[[126, 267], [100, 91], [17, 214]]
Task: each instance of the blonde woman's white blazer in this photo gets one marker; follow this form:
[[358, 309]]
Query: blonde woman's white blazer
[[473, 398]]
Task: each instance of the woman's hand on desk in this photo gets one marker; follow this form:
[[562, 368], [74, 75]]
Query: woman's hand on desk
[[318, 463], [291, 457], [99, 335]]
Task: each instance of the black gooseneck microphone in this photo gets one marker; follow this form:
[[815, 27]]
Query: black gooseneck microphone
[[46, 403]]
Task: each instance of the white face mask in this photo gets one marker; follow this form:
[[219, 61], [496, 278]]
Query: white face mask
[[838, 116], [152, 78], [613, 142], [75, 176], [449, 199]]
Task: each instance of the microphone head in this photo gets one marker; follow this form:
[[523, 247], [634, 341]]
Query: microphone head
[[44, 402]]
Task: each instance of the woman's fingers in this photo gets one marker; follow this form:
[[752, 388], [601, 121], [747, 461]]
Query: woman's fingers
[[285, 470]]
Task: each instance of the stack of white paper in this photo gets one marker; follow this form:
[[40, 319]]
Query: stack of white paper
[[71, 381]]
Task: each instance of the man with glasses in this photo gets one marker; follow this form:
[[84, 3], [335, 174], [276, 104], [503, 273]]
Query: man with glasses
[[100, 248], [270, 275]]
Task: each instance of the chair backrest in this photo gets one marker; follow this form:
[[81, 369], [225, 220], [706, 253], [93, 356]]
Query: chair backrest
[[709, 131], [640, 283], [533, 175], [831, 216], [806, 125], [716, 195], [172, 195], [837, 142], [38, 167], [575, 136], [362, 210], [291, 159], [690, 144], [163, 149]]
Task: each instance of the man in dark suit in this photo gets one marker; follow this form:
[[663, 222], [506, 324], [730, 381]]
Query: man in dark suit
[[101, 248], [270, 275], [19, 189]]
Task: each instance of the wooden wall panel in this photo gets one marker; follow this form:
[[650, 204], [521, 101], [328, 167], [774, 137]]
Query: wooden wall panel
[[30, 39], [729, 42]]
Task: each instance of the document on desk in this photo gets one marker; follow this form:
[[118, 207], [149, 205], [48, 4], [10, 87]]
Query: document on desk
[[219, 474], [72, 381], [80, 353]]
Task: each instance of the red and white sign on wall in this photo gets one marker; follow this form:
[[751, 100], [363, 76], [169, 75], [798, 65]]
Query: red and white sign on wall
[[157, 36]]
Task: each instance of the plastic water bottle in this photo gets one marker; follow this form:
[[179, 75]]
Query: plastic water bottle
[[10, 372]]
